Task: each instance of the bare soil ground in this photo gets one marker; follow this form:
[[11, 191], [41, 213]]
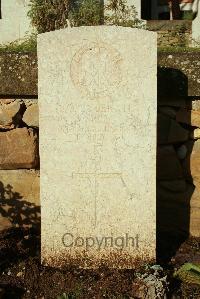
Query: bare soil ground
[[23, 277]]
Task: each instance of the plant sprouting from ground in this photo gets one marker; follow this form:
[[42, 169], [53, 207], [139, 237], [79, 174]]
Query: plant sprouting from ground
[[28, 44]]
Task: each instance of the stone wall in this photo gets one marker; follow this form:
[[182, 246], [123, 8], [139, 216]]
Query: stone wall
[[18, 75], [178, 155], [178, 74], [178, 166], [172, 33], [19, 163]]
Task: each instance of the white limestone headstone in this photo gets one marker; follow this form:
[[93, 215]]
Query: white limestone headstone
[[97, 101], [14, 22], [196, 25]]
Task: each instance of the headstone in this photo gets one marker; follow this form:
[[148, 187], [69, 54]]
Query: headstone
[[14, 21], [196, 26], [97, 102]]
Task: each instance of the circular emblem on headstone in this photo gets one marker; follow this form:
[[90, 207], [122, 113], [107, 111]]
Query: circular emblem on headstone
[[96, 70]]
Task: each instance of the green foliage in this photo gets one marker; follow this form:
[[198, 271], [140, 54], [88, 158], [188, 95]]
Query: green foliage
[[49, 15], [86, 13], [189, 273], [63, 296], [119, 13], [27, 45], [187, 15]]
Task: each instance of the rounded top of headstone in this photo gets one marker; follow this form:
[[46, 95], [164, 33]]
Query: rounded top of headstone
[[103, 28]]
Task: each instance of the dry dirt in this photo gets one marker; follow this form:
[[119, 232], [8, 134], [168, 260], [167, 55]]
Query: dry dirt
[[22, 275]]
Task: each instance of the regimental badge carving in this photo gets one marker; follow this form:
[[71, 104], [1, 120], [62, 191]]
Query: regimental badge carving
[[96, 70]]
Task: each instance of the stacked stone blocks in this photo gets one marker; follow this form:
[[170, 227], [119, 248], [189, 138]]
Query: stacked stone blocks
[[19, 163]]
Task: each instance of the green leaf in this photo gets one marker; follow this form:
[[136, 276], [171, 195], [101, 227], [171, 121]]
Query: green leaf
[[189, 273]]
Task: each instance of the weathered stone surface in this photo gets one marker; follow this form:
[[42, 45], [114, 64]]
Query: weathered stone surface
[[151, 286], [15, 24], [10, 115], [169, 131], [6, 101], [195, 209], [195, 105], [195, 134], [19, 149], [29, 102], [178, 32], [31, 115], [98, 144], [195, 221], [18, 75], [190, 117], [179, 74], [19, 198], [168, 164]]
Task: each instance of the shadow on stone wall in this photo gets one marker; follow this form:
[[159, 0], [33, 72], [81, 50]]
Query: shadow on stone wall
[[171, 83], [174, 180], [16, 210]]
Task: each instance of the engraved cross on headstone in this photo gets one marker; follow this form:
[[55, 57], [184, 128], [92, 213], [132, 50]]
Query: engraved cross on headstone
[[95, 177]]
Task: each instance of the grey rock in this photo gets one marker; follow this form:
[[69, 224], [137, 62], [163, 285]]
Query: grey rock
[[157, 287], [152, 286]]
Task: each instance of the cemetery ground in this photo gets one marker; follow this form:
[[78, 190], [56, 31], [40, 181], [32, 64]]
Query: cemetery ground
[[23, 276]]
